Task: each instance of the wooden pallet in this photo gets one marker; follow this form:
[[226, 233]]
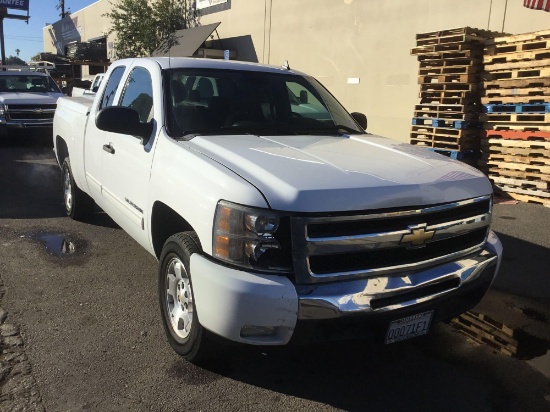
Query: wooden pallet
[[447, 108], [449, 78], [517, 108], [521, 144], [516, 83], [516, 57], [527, 65], [530, 118], [446, 123], [531, 95], [519, 174], [441, 142], [474, 55], [522, 167], [519, 183], [484, 330], [528, 198], [449, 38], [517, 47], [528, 192], [517, 135], [426, 87], [495, 148], [436, 94], [517, 38], [448, 47], [446, 115], [518, 73], [530, 160], [458, 31], [450, 62], [443, 70], [525, 126], [444, 131]]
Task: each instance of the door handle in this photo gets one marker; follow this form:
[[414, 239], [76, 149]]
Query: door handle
[[108, 148]]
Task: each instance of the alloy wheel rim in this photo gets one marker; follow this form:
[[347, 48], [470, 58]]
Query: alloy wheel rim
[[67, 193], [179, 299]]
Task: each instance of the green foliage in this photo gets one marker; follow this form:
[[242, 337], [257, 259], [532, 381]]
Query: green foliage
[[15, 61], [140, 27]]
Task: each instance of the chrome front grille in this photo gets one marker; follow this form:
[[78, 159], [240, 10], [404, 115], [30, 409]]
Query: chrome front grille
[[328, 248], [32, 112]]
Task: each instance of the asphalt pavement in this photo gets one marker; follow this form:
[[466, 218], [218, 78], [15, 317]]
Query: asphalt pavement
[[81, 328]]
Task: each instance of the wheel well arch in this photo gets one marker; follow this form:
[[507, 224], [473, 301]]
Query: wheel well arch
[[165, 222], [62, 149]]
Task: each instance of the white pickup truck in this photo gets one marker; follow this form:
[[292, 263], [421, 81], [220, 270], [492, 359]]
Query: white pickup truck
[[273, 215]]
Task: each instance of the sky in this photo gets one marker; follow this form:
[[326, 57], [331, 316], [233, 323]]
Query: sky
[[28, 38]]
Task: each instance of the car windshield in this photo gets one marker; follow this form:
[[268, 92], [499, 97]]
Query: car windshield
[[27, 83], [207, 101]]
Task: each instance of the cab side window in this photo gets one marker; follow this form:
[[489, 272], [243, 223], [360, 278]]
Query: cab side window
[[112, 85], [138, 94]]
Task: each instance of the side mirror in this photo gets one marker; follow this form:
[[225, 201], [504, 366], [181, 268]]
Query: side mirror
[[303, 97], [123, 120], [361, 119]]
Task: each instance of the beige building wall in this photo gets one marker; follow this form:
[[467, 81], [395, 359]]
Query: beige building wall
[[359, 49], [340, 41]]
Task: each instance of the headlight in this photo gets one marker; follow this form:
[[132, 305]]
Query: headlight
[[251, 238], [2, 110]]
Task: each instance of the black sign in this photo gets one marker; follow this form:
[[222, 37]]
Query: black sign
[[15, 4]]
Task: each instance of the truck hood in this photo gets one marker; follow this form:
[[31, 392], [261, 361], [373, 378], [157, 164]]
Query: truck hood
[[29, 98], [343, 173]]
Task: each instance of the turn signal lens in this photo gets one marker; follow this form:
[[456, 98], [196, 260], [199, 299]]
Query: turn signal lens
[[242, 235]]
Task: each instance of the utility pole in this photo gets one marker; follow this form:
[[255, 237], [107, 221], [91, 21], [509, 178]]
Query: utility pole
[[21, 5], [62, 7], [3, 13]]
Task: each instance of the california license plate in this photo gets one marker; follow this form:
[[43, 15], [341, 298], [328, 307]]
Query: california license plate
[[409, 327]]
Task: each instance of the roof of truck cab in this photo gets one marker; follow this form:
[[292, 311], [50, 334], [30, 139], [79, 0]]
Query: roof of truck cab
[[190, 62]]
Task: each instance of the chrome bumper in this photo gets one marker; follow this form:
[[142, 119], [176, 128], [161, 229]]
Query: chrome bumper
[[25, 124], [386, 293]]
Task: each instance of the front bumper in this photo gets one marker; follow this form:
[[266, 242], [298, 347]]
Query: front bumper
[[228, 300]]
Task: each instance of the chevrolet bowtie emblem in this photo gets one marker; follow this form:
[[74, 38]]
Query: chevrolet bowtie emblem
[[37, 110], [418, 236]]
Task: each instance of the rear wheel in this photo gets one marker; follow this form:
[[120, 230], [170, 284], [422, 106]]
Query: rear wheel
[[78, 204], [177, 304]]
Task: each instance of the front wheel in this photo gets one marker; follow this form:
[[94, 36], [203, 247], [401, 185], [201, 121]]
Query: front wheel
[[177, 304], [78, 204]]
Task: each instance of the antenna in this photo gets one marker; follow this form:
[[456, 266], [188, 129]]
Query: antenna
[[285, 65]]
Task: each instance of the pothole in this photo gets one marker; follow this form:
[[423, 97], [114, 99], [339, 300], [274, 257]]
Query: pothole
[[57, 244]]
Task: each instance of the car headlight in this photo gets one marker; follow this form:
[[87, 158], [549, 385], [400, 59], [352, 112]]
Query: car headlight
[[251, 238], [2, 110]]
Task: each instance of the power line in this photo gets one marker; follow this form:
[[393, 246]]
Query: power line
[[23, 39]]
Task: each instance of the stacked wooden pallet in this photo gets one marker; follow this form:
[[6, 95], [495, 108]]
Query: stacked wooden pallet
[[516, 102], [447, 118]]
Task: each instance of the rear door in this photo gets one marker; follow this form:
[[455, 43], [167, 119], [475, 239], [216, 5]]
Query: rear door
[[95, 140]]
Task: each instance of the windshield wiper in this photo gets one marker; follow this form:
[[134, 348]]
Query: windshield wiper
[[330, 129], [256, 129]]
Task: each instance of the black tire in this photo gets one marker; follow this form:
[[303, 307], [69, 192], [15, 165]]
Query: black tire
[[185, 333], [78, 205]]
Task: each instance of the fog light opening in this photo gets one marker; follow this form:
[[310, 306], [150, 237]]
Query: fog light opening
[[249, 331]]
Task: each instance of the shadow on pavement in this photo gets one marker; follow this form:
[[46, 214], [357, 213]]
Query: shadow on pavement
[[30, 183], [524, 269]]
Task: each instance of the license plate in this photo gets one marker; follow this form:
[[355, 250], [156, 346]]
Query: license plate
[[409, 327]]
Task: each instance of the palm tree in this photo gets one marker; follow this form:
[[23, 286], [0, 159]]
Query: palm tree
[[17, 51]]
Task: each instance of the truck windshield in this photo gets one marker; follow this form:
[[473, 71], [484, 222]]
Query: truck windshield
[[207, 101], [19, 83]]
